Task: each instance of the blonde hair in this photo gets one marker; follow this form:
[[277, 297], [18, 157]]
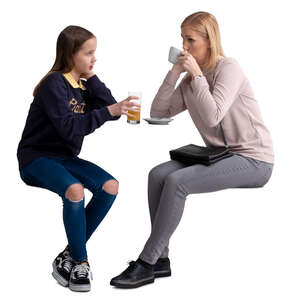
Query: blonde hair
[[206, 25]]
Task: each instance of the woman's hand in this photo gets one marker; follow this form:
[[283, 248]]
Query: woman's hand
[[188, 62], [177, 68], [122, 108]]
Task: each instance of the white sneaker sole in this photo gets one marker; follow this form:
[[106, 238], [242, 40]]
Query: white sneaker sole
[[58, 277], [79, 287]]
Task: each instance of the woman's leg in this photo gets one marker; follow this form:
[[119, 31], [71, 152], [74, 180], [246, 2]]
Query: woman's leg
[[103, 186], [50, 174], [233, 172], [156, 180]]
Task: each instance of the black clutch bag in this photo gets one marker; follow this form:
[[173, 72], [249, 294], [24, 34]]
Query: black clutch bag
[[193, 154]]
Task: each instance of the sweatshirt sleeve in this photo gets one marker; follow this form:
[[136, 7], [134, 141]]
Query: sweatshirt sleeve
[[98, 94], [168, 101], [212, 107], [54, 98]]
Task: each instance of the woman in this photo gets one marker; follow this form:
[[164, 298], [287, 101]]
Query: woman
[[63, 111], [214, 90]]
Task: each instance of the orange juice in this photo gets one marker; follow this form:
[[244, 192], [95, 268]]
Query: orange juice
[[135, 119], [136, 115]]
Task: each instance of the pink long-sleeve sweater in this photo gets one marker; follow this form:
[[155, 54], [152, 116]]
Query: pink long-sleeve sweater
[[222, 95]]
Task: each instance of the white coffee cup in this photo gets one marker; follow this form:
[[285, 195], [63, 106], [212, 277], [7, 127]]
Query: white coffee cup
[[174, 55]]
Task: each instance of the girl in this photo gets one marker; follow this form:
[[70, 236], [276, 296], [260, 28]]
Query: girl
[[214, 90], [63, 111]]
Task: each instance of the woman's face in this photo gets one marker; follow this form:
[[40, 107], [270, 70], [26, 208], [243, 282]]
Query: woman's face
[[195, 44], [84, 58]]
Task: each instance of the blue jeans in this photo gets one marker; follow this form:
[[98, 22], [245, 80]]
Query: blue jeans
[[57, 174]]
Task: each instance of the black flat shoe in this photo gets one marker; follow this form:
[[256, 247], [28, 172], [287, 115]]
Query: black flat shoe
[[162, 268], [134, 276]]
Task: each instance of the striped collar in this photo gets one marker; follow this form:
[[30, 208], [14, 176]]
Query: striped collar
[[73, 82]]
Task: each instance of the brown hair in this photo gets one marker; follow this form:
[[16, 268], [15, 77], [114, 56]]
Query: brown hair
[[206, 25], [68, 43]]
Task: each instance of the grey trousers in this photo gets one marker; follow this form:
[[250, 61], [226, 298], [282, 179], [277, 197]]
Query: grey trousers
[[169, 183]]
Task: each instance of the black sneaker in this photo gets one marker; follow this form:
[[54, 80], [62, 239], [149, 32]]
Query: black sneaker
[[80, 278], [162, 268], [62, 266], [134, 276]]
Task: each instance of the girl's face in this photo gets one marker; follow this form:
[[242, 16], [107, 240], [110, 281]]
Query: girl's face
[[84, 58], [195, 44]]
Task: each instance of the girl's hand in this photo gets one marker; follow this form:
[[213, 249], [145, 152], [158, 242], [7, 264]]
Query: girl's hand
[[188, 62], [122, 108], [87, 75]]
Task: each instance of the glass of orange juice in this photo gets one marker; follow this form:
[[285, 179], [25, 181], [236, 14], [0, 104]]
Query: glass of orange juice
[[136, 115]]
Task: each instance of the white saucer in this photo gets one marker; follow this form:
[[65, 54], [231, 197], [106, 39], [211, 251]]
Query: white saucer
[[158, 121]]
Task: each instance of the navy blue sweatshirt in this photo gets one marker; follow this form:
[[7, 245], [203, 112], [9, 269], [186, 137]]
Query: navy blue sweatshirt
[[61, 114]]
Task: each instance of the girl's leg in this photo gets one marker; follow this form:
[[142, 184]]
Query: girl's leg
[[156, 180], [75, 226], [102, 185], [48, 173], [97, 209], [233, 172]]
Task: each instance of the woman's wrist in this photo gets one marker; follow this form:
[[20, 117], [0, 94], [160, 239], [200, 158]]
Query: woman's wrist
[[195, 74]]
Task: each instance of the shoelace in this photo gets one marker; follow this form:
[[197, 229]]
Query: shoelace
[[67, 264], [82, 270], [132, 265]]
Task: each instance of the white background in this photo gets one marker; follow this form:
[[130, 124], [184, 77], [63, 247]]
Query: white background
[[231, 244]]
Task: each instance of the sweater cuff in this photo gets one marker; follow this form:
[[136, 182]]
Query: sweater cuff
[[105, 115], [172, 78]]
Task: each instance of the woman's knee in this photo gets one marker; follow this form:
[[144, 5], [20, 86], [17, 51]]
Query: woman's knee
[[75, 192], [178, 181], [157, 173], [111, 186], [175, 179], [172, 179]]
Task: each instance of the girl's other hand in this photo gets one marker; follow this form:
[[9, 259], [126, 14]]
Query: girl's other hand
[[87, 75]]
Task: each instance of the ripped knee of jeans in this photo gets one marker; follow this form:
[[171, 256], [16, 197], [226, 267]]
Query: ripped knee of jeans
[[75, 192], [111, 186]]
